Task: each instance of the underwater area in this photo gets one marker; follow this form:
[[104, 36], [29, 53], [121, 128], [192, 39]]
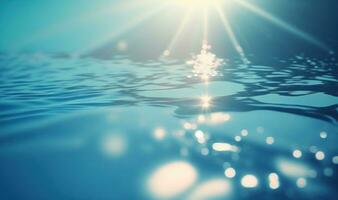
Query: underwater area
[[131, 117]]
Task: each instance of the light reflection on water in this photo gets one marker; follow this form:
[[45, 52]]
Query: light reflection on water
[[120, 128]]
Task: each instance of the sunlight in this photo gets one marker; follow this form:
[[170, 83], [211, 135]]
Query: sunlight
[[171, 179], [205, 23], [193, 3], [137, 20], [179, 31], [231, 34], [282, 24], [206, 63], [206, 101], [91, 16]]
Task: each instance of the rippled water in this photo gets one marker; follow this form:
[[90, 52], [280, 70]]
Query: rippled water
[[84, 128]]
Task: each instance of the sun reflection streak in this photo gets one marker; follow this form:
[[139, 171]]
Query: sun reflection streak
[[206, 101]]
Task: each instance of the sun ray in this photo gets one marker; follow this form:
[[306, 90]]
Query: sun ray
[[63, 26], [205, 24], [178, 33], [280, 23], [231, 34], [121, 30]]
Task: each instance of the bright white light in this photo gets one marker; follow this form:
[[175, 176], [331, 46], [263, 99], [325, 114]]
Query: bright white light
[[211, 189], [172, 179], [238, 138], [206, 63], [230, 172], [224, 147], [219, 117], [205, 101], [269, 140], [193, 3], [297, 153], [320, 155], [323, 134], [200, 136], [244, 132], [249, 181], [159, 133], [273, 181]]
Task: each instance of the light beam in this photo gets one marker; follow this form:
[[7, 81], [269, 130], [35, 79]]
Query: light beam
[[231, 34], [264, 14], [178, 33]]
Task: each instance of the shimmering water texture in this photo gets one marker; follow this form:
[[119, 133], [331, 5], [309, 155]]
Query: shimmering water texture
[[84, 128]]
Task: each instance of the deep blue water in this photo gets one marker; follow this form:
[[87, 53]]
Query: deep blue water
[[85, 128]]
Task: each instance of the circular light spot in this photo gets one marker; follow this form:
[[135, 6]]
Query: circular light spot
[[172, 179], [270, 140], [159, 133], [301, 182], [199, 134], [187, 125], [323, 134], [249, 181], [238, 138], [297, 153], [335, 160], [244, 132], [320, 155], [114, 145], [328, 171], [230, 172]]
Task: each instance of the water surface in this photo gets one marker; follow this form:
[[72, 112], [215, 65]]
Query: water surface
[[86, 128]]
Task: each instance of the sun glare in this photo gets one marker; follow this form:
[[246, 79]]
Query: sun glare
[[194, 3]]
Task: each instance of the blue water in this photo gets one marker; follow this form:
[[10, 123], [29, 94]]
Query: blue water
[[86, 128]]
